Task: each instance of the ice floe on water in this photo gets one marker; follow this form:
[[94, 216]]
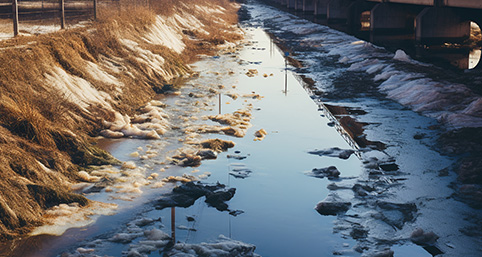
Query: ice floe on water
[[224, 246], [150, 124]]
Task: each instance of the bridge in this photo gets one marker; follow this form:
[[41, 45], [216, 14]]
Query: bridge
[[427, 22]]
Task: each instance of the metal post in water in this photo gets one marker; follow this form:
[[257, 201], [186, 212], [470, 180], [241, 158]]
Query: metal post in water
[[173, 224], [15, 17], [219, 103]]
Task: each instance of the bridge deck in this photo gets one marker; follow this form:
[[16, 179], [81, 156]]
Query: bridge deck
[[475, 4]]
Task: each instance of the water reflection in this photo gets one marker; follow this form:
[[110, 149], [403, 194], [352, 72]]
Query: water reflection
[[462, 58], [474, 58]]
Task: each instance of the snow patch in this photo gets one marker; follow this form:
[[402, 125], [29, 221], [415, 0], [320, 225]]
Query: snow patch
[[161, 33], [64, 216], [78, 90]]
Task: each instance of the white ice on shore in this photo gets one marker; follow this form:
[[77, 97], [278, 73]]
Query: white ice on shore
[[150, 124], [64, 216]]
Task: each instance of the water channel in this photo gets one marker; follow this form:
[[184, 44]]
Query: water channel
[[278, 187]]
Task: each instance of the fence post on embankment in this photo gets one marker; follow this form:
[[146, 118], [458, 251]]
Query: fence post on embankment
[[15, 17], [62, 14], [95, 9]]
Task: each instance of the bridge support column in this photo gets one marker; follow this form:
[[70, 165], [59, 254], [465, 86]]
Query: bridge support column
[[359, 18], [392, 23], [299, 5], [338, 11], [438, 25], [321, 7], [309, 6], [291, 4]]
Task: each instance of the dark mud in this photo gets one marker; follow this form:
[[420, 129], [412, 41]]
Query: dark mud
[[466, 144]]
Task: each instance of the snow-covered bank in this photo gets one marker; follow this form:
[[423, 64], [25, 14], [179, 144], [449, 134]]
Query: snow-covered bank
[[397, 75], [60, 89]]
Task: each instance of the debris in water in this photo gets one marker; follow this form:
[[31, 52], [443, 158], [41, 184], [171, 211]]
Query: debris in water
[[184, 179], [236, 212], [252, 72], [420, 237], [186, 194], [187, 160], [207, 154], [182, 227], [239, 170], [224, 246], [253, 95], [330, 172], [236, 156], [141, 222], [217, 144], [332, 205], [260, 134], [334, 152]]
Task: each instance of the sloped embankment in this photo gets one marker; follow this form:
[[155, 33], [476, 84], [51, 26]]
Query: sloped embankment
[[57, 91]]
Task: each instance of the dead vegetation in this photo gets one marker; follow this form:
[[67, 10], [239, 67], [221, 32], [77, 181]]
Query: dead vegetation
[[46, 131]]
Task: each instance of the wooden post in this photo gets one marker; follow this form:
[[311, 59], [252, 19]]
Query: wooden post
[[95, 9], [62, 14], [15, 17], [173, 224]]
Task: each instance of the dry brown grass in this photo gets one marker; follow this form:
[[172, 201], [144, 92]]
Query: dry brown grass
[[41, 128]]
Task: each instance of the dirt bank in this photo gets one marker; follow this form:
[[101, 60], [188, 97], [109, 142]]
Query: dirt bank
[[59, 90]]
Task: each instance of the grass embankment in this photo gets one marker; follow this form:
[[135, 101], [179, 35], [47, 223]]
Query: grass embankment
[[56, 89]]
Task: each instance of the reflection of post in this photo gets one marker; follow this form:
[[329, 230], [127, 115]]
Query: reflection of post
[[62, 14], [270, 47], [219, 103], [286, 72], [173, 224], [15, 17], [229, 217], [286, 76]]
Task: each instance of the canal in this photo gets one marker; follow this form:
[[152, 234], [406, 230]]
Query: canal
[[302, 186]]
